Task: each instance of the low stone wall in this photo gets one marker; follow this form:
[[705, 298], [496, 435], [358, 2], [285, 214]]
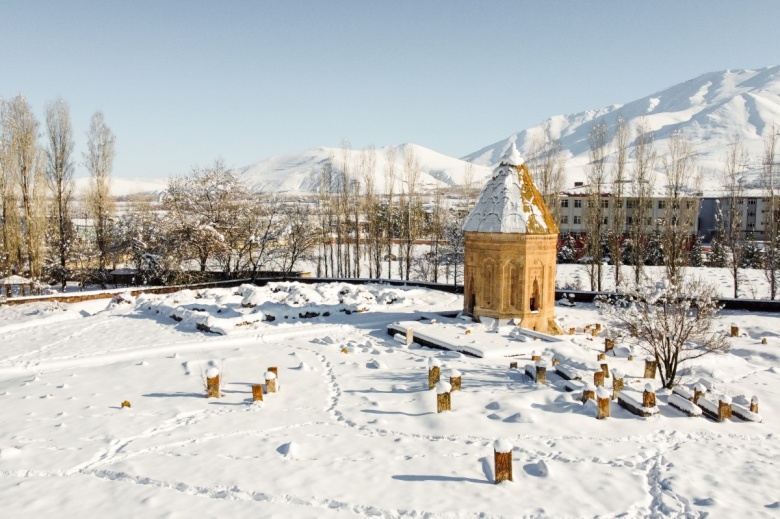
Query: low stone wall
[[580, 296]]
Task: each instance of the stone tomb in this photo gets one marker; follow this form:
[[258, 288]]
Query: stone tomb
[[511, 244]]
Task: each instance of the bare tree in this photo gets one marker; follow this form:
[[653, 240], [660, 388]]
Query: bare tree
[[325, 186], [59, 176], [596, 214], [729, 218], [681, 205], [261, 224], [24, 161], [372, 209], [673, 323], [296, 237], [215, 214], [389, 227], [546, 163], [435, 224], [771, 228], [99, 161], [619, 179], [142, 235], [411, 208], [11, 246], [343, 211], [638, 206]]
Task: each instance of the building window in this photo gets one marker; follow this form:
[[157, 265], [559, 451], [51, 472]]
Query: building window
[[605, 220], [752, 201], [577, 220], [578, 203], [565, 203], [565, 219], [751, 225], [661, 204], [751, 214], [648, 221], [630, 204], [605, 204], [629, 220]]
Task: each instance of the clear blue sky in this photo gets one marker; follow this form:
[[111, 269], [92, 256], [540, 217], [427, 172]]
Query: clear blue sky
[[182, 83]]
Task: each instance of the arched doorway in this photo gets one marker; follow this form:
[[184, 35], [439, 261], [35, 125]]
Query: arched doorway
[[536, 298]]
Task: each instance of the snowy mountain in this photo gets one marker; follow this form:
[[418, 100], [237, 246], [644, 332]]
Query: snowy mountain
[[301, 172], [709, 110], [125, 186]]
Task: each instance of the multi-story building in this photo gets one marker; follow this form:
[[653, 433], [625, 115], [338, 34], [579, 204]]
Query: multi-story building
[[755, 210], [576, 204]]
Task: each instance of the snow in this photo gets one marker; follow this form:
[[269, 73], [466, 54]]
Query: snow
[[123, 186], [15, 280], [67, 447], [745, 413], [684, 404], [709, 405], [634, 399], [300, 172], [568, 372], [270, 375], [443, 387], [502, 446], [212, 372], [479, 341], [683, 392], [603, 393]]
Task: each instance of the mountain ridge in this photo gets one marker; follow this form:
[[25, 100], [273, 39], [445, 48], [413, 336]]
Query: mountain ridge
[[710, 110]]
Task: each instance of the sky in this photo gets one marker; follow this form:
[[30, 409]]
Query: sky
[[184, 83]]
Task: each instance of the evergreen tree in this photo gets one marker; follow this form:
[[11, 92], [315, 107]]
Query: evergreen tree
[[751, 253], [627, 251], [567, 252], [694, 255], [654, 253], [718, 253]]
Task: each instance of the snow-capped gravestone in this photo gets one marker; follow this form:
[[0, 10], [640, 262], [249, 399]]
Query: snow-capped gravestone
[[511, 240]]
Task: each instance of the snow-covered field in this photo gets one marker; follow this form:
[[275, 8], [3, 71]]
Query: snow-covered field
[[752, 282], [353, 434]]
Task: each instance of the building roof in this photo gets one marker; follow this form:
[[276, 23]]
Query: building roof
[[509, 202]]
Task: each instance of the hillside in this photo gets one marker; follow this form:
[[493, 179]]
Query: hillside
[[301, 172], [122, 186], [710, 110]]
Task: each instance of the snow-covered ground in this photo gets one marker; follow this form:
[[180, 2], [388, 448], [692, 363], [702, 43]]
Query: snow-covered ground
[[353, 430], [752, 282]]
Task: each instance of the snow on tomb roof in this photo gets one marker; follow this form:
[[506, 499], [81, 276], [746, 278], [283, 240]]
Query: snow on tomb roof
[[509, 202]]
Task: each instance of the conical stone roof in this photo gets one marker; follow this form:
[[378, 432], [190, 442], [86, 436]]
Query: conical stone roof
[[510, 202]]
